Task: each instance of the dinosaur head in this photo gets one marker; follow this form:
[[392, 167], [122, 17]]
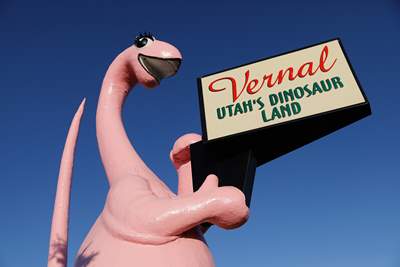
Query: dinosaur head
[[153, 60]]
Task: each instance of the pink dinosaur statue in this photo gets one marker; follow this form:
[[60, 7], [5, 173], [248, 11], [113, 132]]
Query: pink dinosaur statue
[[143, 222]]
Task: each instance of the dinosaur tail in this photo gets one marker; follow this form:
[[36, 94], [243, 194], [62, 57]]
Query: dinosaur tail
[[59, 226]]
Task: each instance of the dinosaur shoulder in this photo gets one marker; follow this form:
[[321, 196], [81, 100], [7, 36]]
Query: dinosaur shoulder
[[128, 189], [123, 193], [129, 183], [123, 213]]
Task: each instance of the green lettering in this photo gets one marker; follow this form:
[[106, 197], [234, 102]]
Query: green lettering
[[247, 106], [337, 82], [281, 97], [273, 99], [299, 92], [316, 88], [275, 113], [264, 116], [296, 108], [326, 87], [285, 109], [238, 109], [288, 94], [260, 103], [309, 92], [229, 107], [221, 112]]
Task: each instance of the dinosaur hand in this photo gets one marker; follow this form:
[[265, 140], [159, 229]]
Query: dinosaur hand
[[180, 153], [230, 209], [180, 157]]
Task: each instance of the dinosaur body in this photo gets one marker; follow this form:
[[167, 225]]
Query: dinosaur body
[[143, 222]]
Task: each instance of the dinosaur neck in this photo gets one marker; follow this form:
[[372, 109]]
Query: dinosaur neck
[[117, 153]]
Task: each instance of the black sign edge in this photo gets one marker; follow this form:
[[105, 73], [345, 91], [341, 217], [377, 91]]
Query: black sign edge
[[201, 99], [352, 71], [202, 111]]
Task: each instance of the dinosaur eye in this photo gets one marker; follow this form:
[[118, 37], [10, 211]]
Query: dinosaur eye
[[144, 39]]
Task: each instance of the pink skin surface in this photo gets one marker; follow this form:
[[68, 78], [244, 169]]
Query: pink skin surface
[[143, 222]]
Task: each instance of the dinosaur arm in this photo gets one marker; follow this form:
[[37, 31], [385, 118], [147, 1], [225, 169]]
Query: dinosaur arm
[[223, 206]]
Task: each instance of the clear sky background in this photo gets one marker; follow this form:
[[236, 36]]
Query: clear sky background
[[333, 203]]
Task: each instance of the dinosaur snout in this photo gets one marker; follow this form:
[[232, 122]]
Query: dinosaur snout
[[160, 68], [160, 59]]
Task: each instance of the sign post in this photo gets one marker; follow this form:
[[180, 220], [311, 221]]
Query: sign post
[[254, 113]]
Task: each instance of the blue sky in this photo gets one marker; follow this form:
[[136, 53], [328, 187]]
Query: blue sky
[[333, 203]]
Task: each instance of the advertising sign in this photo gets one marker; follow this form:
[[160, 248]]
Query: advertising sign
[[279, 89]]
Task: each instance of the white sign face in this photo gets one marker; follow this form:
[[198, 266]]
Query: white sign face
[[288, 87]]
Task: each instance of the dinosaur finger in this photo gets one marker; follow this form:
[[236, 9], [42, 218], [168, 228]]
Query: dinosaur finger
[[180, 153], [210, 183]]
